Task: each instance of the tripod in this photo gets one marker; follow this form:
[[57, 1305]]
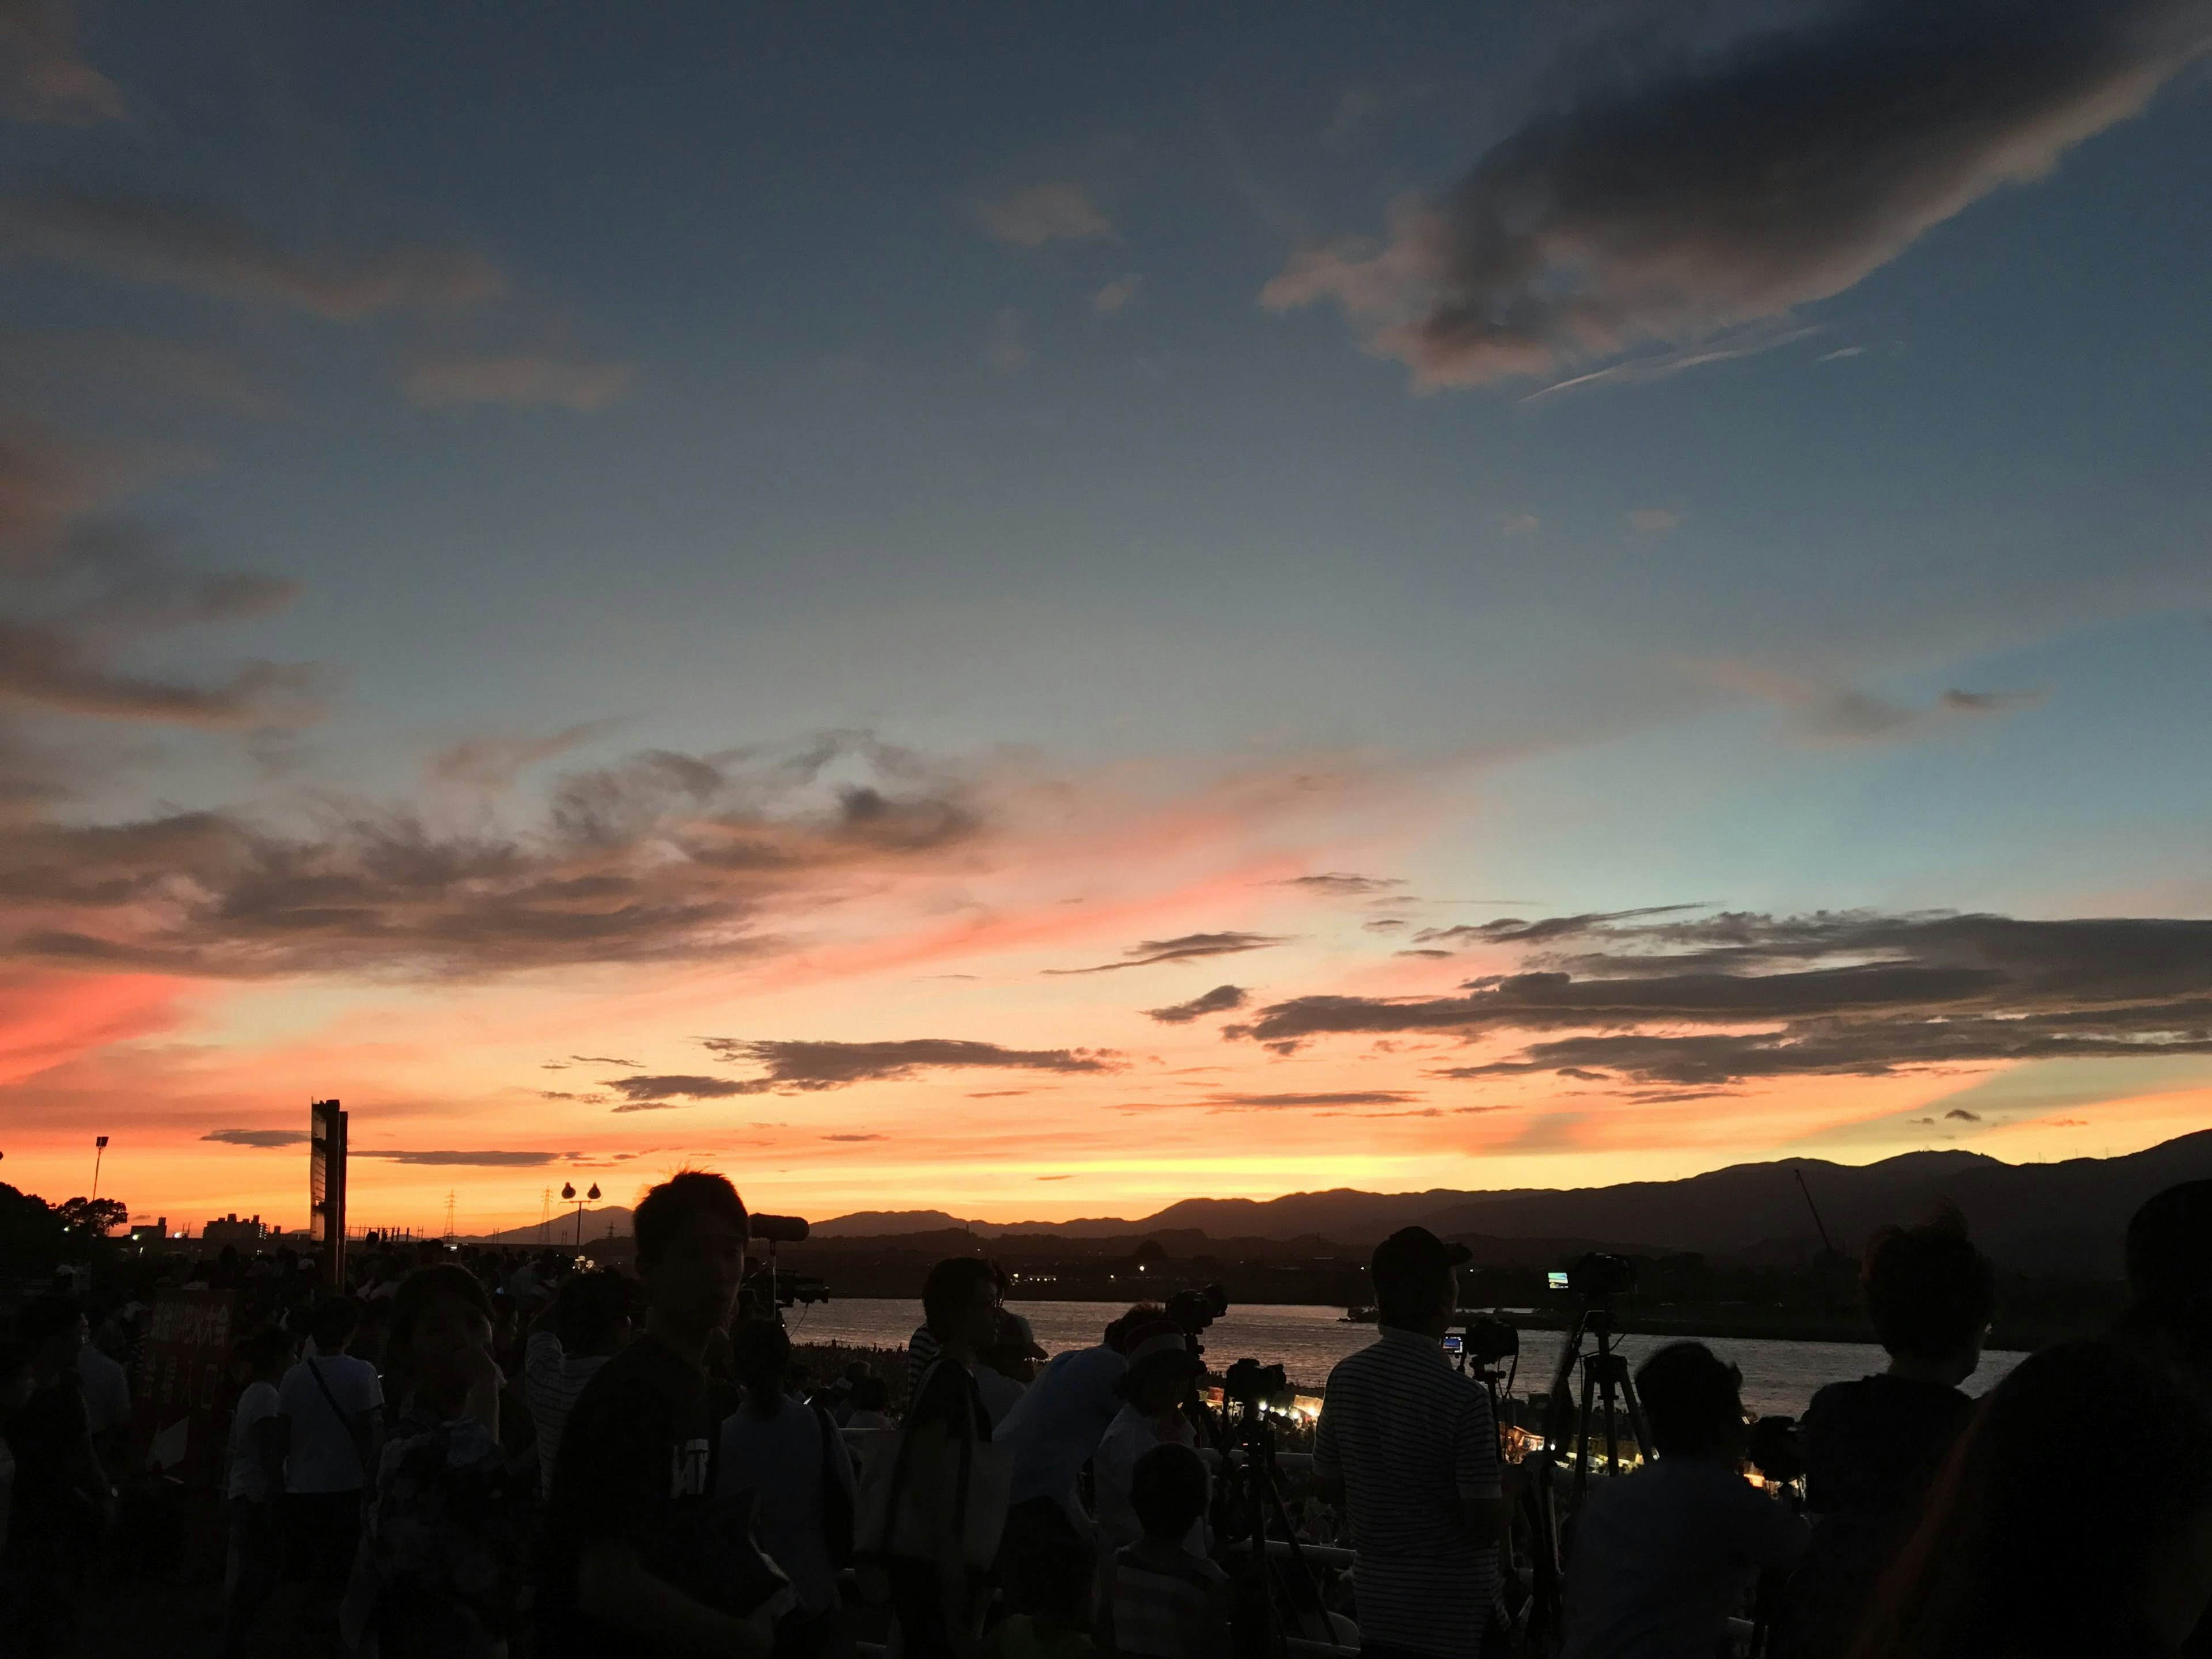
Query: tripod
[[1606, 1386], [1251, 1494]]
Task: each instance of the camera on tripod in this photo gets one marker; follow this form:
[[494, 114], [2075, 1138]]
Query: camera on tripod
[[1595, 1277], [1483, 1341], [1193, 1308], [1249, 1383]]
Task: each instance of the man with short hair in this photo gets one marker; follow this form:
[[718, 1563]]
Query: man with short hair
[[1664, 1557], [632, 1564], [1872, 1444], [1407, 1450]]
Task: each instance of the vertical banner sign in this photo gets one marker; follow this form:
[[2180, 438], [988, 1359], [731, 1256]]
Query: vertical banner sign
[[184, 1383], [326, 1187]]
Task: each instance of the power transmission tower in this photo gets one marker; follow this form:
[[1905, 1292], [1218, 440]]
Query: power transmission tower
[[544, 1216], [449, 1216]]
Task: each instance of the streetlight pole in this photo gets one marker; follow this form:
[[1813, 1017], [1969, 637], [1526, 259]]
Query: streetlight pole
[[569, 1195], [99, 1152]]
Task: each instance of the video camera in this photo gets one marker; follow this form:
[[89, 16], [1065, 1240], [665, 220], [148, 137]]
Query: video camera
[[1597, 1277], [1483, 1341], [1249, 1383], [777, 1229], [1194, 1308]]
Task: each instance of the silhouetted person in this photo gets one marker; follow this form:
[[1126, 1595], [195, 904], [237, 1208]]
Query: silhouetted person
[[1164, 1599], [1407, 1450], [62, 1502], [631, 1564], [790, 1456], [448, 1526], [2169, 1256], [1871, 1446], [253, 1482], [2074, 1516], [1162, 1369], [328, 1406], [938, 1602], [1664, 1557], [587, 1322], [1052, 1433]]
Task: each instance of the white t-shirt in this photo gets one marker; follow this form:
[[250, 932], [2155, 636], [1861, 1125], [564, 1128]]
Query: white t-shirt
[[247, 1478], [323, 1457], [1128, 1437], [106, 1390], [782, 1459]]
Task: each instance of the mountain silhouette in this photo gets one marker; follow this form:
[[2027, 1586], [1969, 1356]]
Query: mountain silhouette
[[2061, 1218]]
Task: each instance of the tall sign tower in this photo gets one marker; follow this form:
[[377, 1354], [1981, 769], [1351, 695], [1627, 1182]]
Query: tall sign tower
[[326, 1187]]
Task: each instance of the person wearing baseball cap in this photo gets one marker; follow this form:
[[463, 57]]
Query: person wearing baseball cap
[[1009, 1366], [1407, 1450], [1162, 1369]]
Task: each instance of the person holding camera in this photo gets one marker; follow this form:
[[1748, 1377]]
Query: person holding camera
[[1406, 1448], [1664, 1557]]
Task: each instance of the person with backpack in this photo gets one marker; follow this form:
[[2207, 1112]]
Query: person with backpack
[[791, 1457], [329, 1405]]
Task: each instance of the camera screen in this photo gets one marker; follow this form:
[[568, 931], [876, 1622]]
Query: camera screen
[[1453, 1344], [1557, 1279]]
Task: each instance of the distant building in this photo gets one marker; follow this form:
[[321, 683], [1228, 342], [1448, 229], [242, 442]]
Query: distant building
[[149, 1232], [231, 1230]]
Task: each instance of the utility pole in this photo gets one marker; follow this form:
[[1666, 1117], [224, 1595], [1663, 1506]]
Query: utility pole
[[99, 1151]]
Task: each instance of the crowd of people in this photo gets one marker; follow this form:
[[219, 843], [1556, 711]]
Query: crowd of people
[[485, 1455]]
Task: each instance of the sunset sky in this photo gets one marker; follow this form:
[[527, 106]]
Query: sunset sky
[[1036, 612]]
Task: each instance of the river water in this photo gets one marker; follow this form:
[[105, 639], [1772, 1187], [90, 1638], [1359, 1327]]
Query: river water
[[1307, 1341]]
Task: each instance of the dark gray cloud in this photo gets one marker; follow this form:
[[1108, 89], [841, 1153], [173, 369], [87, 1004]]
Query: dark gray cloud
[[1844, 994], [1700, 195], [1515, 930], [805, 1067], [1219, 999], [1342, 1097], [1190, 947], [1342, 884], [657, 857], [677, 1086], [261, 1138], [600, 1060], [201, 248]]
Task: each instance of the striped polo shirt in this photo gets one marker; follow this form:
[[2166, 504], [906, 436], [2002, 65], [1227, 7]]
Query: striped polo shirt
[[1411, 1438]]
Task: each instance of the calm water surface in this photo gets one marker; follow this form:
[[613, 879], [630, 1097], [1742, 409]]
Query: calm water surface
[[1307, 1341]]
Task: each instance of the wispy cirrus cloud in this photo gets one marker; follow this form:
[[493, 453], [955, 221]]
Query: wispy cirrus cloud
[[1341, 883], [1824, 714], [201, 248], [1190, 947], [1037, 214], [494, 762], [1697, 197]]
